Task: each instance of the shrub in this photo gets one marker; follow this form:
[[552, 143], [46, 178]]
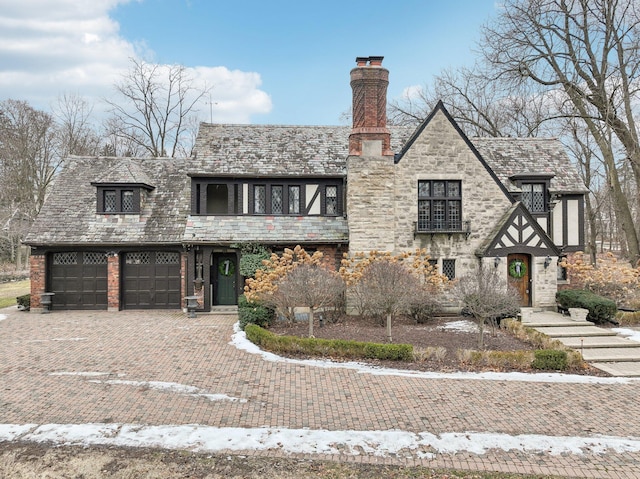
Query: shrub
[[600, 309], [24, 302], [251, 258], [552, 359], [250, 312], [327, 347]]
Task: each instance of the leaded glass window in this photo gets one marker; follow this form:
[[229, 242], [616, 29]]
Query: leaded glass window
[[167, 257], [533, 197], [331, 200], [110, 201], [449, 268], [260, 199], [439, 205], [139, 257], [94, 257], [127, 201], [276, 200], [294, 200], [65, 258]]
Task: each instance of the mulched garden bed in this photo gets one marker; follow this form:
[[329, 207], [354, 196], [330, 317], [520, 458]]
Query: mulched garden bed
[[452, 333]]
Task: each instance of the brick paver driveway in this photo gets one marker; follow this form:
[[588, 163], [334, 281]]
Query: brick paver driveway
[[161, 368]]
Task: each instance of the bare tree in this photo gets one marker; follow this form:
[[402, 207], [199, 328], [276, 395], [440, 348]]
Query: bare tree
[[588, 51], [28, 163], [309, 286], [487, 296], [76, 134], [389, 289], [156, 102]]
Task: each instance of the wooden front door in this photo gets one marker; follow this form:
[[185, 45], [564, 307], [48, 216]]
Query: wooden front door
[[223, 279], [519, 271]]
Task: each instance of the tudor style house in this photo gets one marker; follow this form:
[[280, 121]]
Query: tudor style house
[[131, 233]]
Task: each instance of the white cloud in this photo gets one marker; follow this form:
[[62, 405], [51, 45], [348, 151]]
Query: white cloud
[[49, 47], [412, 92]]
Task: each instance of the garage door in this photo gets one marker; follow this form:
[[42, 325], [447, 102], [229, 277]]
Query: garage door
[[79, 280], [151, 280]]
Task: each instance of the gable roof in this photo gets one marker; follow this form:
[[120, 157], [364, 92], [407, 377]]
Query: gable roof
[[441, 108], [517, 232]]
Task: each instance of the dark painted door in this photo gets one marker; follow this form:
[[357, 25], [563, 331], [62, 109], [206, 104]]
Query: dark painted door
[[519, 270], [223, 278], [151, 280], [78, 279]]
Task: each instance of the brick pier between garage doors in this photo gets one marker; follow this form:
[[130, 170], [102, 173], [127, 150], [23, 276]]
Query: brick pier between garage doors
[[109, 279]]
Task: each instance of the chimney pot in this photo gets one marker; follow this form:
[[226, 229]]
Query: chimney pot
[[362, 61], [376, 61]]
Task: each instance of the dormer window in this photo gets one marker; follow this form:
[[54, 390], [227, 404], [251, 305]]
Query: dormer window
[[123, 199], [533, 197]]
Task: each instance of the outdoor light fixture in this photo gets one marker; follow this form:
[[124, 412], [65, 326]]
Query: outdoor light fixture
[[547, 262], [496, 262]]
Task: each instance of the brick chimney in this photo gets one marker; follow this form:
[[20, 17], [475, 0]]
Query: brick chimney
[[369, 82]]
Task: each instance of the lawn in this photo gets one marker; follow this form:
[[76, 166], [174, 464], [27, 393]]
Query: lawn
[[9, 291]]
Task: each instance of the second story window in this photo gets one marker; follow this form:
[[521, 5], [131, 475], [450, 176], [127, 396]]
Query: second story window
[[533, 197], [118, 200], [331, 200], [259, 199], [439, 205], [294, 200]]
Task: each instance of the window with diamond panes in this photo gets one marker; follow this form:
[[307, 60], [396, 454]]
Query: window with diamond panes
[[331, 200], [109, 201], [533, 197], [65, 258], [127, 201], [439, 205], [449, 268], [276, 200], [167, 257], [94, 257], [140, 257], [259, 199], [294, 200]]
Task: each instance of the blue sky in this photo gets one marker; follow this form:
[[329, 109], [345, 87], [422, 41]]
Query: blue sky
[[279, 62]]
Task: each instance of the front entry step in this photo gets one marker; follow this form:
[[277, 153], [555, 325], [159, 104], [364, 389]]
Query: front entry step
[[598, 342], [574, 331], [612, 354]]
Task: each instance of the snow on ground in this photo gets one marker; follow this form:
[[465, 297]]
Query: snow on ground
[[3, 316], [377, 443], [240, 341], [463, 325], [172, 388], [631, 334]]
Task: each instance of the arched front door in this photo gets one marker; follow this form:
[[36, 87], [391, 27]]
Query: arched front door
[[519, 271], [224, 279]]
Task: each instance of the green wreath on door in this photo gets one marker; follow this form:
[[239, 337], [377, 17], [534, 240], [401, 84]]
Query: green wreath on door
[[517, 269], [227, 268]]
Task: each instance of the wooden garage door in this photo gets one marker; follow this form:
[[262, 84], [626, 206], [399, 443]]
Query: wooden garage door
[[78, 279], [151, 280]]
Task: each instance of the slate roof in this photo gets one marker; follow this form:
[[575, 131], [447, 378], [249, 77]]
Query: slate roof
[[275, 150], [512, 156], [69, 214]]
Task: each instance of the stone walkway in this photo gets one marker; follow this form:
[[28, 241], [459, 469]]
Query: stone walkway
[[600, 347], [161, 368]]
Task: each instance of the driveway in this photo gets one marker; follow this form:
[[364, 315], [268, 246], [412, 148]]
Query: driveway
[[158, 378]]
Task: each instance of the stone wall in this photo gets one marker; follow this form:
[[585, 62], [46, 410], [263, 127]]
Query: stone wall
[[441, 153]]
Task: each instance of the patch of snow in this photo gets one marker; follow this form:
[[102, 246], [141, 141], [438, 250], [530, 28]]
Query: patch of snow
[[377, 443], [631, 334], [83, 373], [171, 388], [3, 317], [240, 341], [463, 325], [10, 432]]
